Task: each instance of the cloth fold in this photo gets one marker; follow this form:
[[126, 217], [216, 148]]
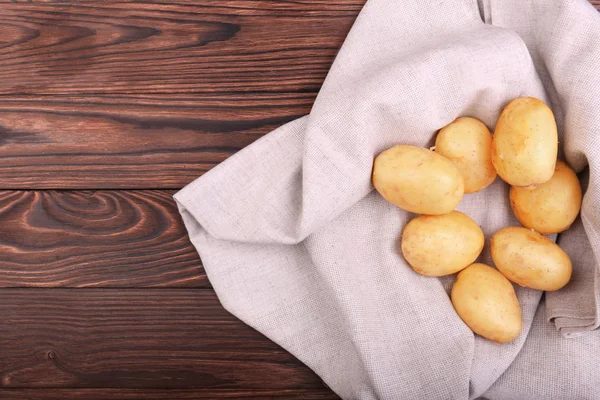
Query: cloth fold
[[297, 245]]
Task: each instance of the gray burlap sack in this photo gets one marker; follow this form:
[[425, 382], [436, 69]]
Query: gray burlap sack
[[298, 245]]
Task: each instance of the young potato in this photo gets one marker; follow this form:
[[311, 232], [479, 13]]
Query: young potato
[[552, 206], [525, 143], [438, 245], [467, 142], [418, 180], [530, 259], [486, 301]]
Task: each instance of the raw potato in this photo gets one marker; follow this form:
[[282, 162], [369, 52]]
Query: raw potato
[[530, 259], [438, 245], [552, 206], [467, 142], [418, 180], [525, 143], [486, 301]]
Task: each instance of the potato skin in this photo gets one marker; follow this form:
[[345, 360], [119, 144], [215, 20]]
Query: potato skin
[[530, 259], [418, 180], [486, 301], [525, 143], [467, 142], [438, 245], [552, 206]]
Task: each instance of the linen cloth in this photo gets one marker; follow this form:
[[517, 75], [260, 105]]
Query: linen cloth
[[298, 245]]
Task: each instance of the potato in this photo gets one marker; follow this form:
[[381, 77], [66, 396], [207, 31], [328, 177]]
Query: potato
[[486, 301], [418, 180], [525, 143], [552, 206], [467, 142], [530, 259], [438, 245]]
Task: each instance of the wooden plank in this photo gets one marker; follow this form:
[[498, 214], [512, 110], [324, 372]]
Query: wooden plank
[[139, 47], [137, 338], [95, 239], [180, 87], [158, 394], [136, 141]]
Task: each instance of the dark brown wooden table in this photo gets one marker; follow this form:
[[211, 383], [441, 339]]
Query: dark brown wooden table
[[106, 109]]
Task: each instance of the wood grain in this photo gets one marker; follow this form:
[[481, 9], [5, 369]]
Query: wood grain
[[161, 338], [139, 47], [95, 239], [134, 141], [163, 394], [137, 95]]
